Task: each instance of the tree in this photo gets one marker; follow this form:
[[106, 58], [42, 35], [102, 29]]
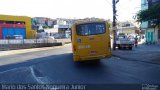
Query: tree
[[152, 15]]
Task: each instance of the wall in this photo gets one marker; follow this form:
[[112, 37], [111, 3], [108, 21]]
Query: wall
[[129, 31], [9, 26]]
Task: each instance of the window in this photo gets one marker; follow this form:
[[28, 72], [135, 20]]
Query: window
[[90, 29]]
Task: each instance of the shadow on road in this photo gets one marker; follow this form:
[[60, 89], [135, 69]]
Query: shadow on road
[[54, 59], [31, 62], [93, 64], [61, 69], [58, 68]]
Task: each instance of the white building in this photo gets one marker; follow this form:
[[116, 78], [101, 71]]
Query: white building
[[62, 25], [128, 27]]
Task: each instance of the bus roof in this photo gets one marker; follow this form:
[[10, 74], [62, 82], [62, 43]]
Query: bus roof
[[85, 22]]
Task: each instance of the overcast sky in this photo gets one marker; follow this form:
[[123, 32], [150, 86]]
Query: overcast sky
[[70, 8]]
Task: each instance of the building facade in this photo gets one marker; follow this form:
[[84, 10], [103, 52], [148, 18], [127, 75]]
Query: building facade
[[152, 34], [128, 27], [42, 21], [63, 25], [16, 25]]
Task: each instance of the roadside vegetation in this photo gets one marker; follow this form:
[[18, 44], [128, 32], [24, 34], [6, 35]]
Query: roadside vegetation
[[152, 15]]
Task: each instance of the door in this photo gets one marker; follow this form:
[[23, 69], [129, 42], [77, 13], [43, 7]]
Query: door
[[149, 37], [152, 37]]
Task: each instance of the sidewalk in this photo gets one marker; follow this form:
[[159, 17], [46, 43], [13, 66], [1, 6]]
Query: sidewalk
[[35, 43], [144, 47], [142, 53], [20, 51]]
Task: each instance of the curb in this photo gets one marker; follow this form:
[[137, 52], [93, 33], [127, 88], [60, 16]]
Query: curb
[[21, 51]]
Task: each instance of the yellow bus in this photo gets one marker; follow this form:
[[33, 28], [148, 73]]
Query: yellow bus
[[90, 40]]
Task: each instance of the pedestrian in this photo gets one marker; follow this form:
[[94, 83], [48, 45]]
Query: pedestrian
[[136, 41], [142, 37]]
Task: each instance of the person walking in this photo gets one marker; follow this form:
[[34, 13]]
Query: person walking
[[136, 41]]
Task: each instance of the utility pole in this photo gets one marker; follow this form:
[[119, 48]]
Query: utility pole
[[114, 2]]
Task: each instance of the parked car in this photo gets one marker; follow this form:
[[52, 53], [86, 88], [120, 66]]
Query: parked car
[[48, 39]]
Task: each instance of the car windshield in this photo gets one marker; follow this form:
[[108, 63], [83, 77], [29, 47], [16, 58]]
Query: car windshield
[[90, 29]]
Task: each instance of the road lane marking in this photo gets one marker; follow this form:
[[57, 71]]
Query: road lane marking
[[34, 76]]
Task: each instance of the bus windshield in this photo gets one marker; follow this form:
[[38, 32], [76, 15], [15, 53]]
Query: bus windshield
[[90, 29]]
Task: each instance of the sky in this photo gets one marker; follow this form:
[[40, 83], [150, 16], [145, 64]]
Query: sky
[[70, 8]]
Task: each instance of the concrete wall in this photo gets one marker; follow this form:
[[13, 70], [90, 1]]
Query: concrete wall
[[129, 31], [30, 43]]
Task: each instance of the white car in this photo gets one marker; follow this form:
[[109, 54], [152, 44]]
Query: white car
[[49, 39]]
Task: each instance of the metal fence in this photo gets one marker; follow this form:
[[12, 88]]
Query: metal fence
[[10, 44]]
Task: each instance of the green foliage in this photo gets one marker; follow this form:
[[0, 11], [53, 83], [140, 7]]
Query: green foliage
[[151, 14]]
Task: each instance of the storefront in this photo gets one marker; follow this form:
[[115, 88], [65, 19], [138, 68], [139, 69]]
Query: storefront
[[16, 25]]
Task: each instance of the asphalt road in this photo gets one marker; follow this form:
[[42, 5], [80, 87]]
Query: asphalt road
[[56, 66]]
